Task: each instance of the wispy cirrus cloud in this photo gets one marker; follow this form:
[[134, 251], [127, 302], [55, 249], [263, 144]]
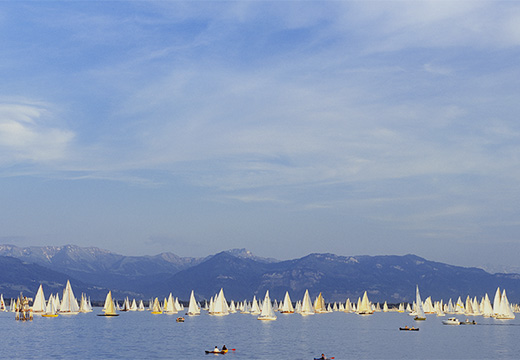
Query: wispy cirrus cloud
[[27, 134]]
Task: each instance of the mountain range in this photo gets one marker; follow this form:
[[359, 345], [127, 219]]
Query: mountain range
[[242, 275]]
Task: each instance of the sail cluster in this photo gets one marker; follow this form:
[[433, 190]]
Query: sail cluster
[[265, 309]]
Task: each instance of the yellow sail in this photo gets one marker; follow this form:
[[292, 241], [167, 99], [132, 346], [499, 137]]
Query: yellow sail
[[109, 305], [156, 307]]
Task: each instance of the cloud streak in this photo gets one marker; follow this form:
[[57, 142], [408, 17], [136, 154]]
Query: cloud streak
[[26, 134]]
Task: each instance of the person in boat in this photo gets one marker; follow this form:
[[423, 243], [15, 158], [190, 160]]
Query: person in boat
[[323, 357], [406, 327], [224, 348], [216, 349]]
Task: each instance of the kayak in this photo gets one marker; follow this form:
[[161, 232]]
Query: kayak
[[216, 352], [409, 329]]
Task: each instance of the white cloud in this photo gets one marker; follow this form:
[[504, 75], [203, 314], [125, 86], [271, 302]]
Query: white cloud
[[26, 134]]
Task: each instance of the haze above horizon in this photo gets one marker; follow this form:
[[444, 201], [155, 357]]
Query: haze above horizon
[[287, 128]]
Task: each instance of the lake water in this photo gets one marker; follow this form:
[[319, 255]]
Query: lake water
[[141, 335]]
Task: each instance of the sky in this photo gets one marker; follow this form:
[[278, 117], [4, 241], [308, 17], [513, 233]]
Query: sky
[[283, 127]]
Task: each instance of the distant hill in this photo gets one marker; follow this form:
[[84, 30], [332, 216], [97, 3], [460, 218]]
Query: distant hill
[[390, 278], [17, 276], [242, 275]]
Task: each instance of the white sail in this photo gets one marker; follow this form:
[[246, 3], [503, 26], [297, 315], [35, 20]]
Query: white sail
[[267, 309], [459, 307], [348, 306], [255, 308], [169, 307], [475, 306], [69, 304], [141, 306], [3, 307], [419, 310], [469, 306], [84, 305], [193, 309], [505, 311], [385, 307], [306, 308], [232, 307], [287, 307], [220, 307], [364, 307], [39, 301], [51, 308], [428, 306], [487, 309], [133, 305], [496, 302]]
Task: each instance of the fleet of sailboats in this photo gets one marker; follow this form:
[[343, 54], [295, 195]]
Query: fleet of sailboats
[[501, 309]]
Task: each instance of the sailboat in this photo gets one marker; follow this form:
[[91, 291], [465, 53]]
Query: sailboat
[[126, 305], [69, 304], [39, 301], [487, 309], [156, 308], [364, 307], [84, 306], [169, 307], [51, 310], [418, 303], [505, 312], [267, 309], [287, 307], [109, 308], [306, 305], [220, 307], [2, 303], [141, 306], [319, 305], [193, 308], [255, 309]]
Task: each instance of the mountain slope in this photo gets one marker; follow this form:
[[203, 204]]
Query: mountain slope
[[242, 275]]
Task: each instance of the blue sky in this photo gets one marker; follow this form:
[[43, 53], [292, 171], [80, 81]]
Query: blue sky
[[285, 127]]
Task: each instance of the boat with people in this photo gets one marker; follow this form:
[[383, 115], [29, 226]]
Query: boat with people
[[406, 328], [468, 322], [451, 321], [216, 350], [323, 357]]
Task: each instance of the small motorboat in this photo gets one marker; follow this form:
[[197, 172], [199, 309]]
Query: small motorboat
[[468, 322], [406, 328], [451, 321], [180, 319]]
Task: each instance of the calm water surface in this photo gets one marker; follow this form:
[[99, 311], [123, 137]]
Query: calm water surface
[[141, 335]]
